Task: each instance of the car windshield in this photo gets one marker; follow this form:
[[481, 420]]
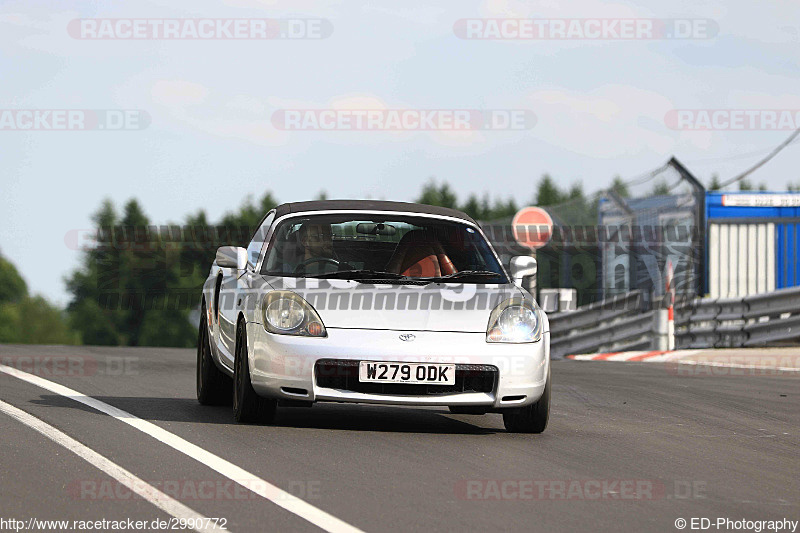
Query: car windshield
[[379, 246]]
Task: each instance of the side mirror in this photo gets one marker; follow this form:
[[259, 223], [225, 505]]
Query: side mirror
[[522, 266], [231, 257]]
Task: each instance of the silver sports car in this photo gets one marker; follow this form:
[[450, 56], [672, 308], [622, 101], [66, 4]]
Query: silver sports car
[[372, 302]]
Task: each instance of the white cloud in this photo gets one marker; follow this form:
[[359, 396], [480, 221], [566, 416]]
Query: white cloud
[[246, 104], [609, 122], [558, 9], [178, 93], [294, 6], [421, 14], [184, 103], [356, 101], [249, 118], [25, 20]]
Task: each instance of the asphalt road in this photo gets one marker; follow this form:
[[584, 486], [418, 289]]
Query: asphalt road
[[630, 447]]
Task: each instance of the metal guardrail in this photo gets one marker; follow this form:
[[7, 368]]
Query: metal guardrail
[[757, 320], [590, 315], [620, 324], [615, 324]]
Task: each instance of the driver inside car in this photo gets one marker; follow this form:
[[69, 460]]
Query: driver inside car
[[318, 253]]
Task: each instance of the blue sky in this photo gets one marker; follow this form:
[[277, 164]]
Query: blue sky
[[600, 107]]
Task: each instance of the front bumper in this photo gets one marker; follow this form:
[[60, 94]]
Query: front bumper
[[284, 367]]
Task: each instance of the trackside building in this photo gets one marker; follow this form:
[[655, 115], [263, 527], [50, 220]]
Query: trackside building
[[752, 242]]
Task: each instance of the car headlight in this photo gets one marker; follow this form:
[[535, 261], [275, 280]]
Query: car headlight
[[286, 313], [514, 320]]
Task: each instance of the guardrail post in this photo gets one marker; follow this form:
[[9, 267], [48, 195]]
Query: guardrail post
[[669, 294], [661, 330]]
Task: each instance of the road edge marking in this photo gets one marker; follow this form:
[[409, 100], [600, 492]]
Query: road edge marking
[[723, 364], [238, 475], [148, 492], [679, 357]]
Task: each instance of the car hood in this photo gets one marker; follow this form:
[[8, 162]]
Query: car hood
[[452, 307]]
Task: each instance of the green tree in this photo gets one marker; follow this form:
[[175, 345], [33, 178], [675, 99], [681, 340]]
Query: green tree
[[486, 208], [437, 195], [484, 211], [619, 186], [98, 276], [136, 287], [578, 210], [10, 322], [473, 208], [661, 188], [268, 203], [505, 209], [240, 225], [43, 323], [34, 321], [167, 327], [126, 276], [95, 325], [547, 192], [745, 185], [198, 247], [12, 286], [715, 184], [142, 271], [25, 319], [793, 187]]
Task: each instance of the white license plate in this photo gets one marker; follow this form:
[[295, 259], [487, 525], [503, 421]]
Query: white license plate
[[416, 373]]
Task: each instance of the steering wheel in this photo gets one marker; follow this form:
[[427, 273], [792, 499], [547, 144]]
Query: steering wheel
[[307, 262]]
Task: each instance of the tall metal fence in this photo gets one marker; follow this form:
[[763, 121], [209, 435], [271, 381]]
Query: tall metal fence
[[621, 239]]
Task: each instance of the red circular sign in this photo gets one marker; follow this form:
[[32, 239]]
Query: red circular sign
[[532, 227]]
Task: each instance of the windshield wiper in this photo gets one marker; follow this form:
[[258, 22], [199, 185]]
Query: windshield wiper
[[468, 274], [361, 274]]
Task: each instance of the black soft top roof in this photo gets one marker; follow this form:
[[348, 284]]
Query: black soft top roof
[[368, 205]]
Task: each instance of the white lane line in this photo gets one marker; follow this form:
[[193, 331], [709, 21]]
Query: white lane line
[[148, 492], [238, 475]]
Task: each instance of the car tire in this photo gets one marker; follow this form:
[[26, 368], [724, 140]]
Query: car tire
[[213, 387], [248, 406], [532, 418]]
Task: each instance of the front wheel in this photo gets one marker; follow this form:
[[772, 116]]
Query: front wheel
[[530, 419], [213, 387], [248, 406]]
